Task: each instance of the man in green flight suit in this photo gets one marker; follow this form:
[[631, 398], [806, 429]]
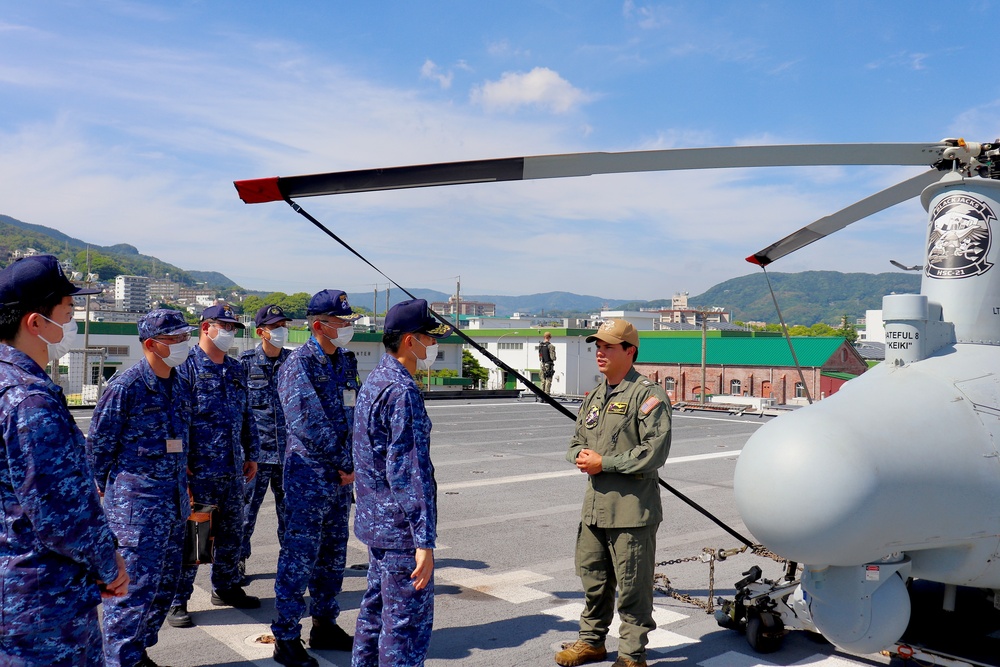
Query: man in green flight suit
[[622, 438]]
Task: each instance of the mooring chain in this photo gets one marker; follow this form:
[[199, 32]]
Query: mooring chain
[[708, 555]]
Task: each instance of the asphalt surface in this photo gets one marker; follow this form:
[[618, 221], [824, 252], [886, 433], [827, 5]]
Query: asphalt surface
[[506, 590]]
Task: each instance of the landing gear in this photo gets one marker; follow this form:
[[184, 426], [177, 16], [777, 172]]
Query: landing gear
[[763, 608], [764, 632]]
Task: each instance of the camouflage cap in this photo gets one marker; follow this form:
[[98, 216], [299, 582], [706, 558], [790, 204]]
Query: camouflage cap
[[34, 279], [221, 313], [270, 314], [162, 322], [414, 316]]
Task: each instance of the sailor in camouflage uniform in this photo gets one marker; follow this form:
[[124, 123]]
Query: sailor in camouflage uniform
[[318, 473], [56, 549], [262, 364], [622, 438], [222, 457], [138, 449], [396, 512]]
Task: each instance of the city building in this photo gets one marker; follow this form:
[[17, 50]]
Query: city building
[[132, 294], [164, 291], [680, 313], [462, 307]]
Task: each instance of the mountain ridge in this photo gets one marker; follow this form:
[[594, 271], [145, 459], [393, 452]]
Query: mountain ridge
[[805, 298]]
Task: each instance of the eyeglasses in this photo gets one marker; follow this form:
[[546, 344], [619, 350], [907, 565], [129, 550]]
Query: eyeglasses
[[336, 324], [174, 339], [224, 326]]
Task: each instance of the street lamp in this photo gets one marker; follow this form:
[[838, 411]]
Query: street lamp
[[509, 333]]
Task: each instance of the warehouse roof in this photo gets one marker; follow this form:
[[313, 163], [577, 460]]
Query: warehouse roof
[[811, 351]]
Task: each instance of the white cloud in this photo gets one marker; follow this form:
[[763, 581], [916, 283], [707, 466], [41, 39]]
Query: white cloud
[[903, 59], [429, 70], [541, 88]]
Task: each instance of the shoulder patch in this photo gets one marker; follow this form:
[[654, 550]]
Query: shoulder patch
[[648, 405]]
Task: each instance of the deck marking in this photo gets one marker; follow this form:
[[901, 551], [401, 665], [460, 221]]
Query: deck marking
[[509, 586], [660, 639]]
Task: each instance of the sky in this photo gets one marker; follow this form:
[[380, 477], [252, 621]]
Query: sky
[[127, 122]]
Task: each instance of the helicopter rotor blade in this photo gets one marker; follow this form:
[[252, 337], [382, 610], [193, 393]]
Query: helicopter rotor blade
[[254, 191], [829, 224]]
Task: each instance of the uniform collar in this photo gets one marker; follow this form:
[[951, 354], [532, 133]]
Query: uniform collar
[[629, 378], [15, 357]]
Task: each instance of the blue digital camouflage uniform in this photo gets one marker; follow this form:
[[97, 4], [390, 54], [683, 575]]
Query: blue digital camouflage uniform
[[138, 449], [55, 542], [314, 552], [269, 420], [222, 439], [396, 514]]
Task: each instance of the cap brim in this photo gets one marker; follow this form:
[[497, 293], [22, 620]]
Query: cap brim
[[179, 330], [438, 330], [85, 291], [607, 338], [274, 320]]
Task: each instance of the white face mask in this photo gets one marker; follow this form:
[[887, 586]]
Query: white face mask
[[224, 339], [279, 336], [178, 353], [341, 336], [58, 350], [432, 354], [344, 336]]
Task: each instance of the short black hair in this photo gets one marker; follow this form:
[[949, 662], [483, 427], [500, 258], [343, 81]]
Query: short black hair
[[392, 341], [626, 345], [11, 316]]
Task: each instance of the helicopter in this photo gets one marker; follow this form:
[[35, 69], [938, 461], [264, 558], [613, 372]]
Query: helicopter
[[897, 475]]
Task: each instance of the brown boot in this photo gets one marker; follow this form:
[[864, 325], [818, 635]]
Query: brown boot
[[622, 661], [580, 653]]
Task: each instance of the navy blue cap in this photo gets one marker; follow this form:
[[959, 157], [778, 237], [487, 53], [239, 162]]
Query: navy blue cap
[[270, 314], [414, 316], [162, 322], [35, 279], [221, 313], [331, 302]]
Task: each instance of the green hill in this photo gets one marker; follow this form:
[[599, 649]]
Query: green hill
[[106, 261], [808, 297]]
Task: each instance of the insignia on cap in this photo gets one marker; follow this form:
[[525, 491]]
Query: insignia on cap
[[274, 311], [227, 311], [608, 325]]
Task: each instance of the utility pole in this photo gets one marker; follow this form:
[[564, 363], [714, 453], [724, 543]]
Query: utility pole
[[375, 310], [458, 302], [704, 354]]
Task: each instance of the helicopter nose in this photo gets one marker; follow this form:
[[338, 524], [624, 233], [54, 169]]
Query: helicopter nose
[[803, 484]]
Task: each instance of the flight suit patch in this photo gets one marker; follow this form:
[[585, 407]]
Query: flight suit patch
[[617, 408], [648, 405], [592, 417]]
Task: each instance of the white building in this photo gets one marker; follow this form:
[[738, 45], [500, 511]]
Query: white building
[[132, 294], [575, 368]]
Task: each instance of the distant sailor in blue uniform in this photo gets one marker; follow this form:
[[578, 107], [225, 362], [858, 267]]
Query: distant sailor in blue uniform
[[318, 474], [396, 514], [137, 447], [261, 365], [222, 458], [58, 556]]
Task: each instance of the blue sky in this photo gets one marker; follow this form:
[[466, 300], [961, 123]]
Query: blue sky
[[128, 121]]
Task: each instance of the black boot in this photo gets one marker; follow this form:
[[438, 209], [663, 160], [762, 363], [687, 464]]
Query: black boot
[[178, 616], [328, 636], [234, 597], [291, 653]]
